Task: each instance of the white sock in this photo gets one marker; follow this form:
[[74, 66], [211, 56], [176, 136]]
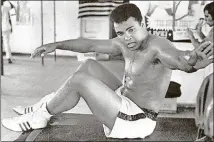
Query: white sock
[[46, 113], [45, 99]]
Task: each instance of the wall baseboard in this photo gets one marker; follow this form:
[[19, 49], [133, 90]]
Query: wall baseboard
[[186, 105]]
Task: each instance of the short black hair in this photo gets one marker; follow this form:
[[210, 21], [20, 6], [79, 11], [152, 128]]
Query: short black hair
[[124, 12], [210, 8]]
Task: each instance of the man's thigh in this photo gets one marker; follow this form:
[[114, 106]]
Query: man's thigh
[[95, 69], [103, 101]]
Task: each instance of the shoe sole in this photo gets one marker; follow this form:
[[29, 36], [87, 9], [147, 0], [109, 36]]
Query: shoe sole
[[15, 131], [24, 131]]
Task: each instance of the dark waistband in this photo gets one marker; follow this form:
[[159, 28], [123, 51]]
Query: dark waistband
[[147, 114], [150, 114]]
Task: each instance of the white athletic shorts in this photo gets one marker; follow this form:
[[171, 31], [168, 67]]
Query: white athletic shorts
[[132, 121]]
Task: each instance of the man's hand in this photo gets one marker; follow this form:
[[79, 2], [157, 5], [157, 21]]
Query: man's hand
[[43, 50], [204, 52], [193, 57]]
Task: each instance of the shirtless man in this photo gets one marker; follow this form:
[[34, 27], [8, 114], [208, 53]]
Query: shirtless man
[[127, 109]]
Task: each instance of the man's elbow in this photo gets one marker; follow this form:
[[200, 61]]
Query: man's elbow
[[183, 65], [189, 69]]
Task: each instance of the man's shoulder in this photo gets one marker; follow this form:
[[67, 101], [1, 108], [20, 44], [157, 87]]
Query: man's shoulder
[[160, 42], [159, 39]]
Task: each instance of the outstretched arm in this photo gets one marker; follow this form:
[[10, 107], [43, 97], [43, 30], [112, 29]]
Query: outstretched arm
[[82, 45], [188, 61]]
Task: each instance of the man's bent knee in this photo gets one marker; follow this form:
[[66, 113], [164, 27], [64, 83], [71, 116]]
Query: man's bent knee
[[90, 61], [86, 65], [78, 77]]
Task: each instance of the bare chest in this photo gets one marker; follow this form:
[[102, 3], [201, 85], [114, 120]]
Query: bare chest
[[138, 63]]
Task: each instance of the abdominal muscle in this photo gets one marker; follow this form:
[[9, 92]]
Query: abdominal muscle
[[147, 93]]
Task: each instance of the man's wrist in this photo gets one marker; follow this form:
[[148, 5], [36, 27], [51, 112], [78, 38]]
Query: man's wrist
[[187, 55], [191, 57], [58, 45]]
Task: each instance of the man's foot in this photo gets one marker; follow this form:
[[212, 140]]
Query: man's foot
[[34, 120], [9, 61], [28, 109]]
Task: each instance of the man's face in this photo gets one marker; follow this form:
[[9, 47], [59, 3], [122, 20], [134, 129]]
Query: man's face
[[208, 18], [130, 33]]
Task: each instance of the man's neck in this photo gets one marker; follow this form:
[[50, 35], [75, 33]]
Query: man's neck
[[145, 34], [144, 41]]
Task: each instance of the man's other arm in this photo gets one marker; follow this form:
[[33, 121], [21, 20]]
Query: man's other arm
[[81, 45], [182, 60]]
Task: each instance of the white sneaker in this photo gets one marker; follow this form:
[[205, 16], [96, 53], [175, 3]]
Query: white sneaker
[[28, 109], [34, 120]]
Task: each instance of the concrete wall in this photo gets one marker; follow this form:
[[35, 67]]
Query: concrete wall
[[25, 38]]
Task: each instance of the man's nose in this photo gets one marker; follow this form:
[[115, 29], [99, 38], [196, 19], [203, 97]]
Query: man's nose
[[127, 36]]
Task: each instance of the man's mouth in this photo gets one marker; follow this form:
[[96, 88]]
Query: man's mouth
[[131, 44]]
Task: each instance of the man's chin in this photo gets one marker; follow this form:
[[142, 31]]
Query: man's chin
[[134, 47]]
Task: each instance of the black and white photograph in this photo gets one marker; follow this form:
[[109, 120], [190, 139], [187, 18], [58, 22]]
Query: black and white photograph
[[107, 70]]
